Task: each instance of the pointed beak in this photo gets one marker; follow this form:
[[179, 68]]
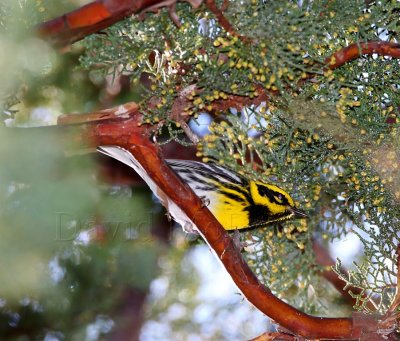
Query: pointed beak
[[298, 213]]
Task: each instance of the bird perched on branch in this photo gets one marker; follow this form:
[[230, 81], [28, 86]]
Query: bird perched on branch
[[236, 202]]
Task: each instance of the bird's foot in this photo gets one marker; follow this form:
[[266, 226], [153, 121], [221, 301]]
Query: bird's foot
[[205, 201], [241, 245]]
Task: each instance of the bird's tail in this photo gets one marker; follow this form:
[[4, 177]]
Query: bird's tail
[[127, 158], [121, 155]]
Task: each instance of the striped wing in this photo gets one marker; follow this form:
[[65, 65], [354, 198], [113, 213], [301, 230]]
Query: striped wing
[[225, 191], [193, 171]]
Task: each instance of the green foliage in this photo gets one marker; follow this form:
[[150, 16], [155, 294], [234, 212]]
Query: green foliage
[[329, 138], [220, 64]]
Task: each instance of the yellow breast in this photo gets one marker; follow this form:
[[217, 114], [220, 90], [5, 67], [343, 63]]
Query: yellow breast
[[230, 213]]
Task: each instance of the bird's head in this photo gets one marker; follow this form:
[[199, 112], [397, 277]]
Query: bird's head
[[275, 199]]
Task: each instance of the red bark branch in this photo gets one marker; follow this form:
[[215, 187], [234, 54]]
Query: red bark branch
[[91, 18], [129, 134], [356, 50], [239, 102], [101, 14], [122, 111]]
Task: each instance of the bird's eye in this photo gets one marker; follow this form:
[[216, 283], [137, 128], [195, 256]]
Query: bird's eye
[[279, 198]]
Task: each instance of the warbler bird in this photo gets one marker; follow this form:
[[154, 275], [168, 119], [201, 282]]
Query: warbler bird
[[236, 202]]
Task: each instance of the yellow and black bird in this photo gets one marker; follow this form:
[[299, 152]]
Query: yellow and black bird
[[236, 202]]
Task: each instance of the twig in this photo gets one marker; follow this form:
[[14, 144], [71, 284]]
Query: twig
[[171, 5], [389, 322], [238, 102], [121, 111], [181, 103], [189, 133], [323, 258], [356, 50]]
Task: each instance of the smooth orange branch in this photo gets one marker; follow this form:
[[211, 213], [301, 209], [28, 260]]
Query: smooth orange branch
[[120, 112], [130, 134], [356, 50], [94, 17], [100, 14]]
